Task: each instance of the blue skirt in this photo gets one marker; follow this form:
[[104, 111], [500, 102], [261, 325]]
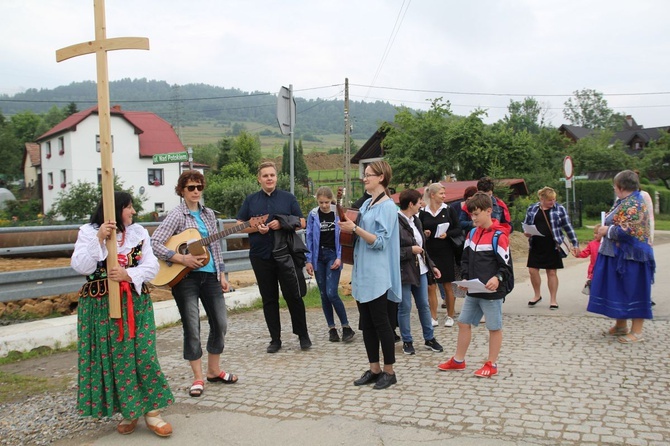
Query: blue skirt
[[621, 295]]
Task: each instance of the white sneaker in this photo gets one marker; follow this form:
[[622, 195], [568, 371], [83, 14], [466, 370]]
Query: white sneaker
[[434, 322], [448, 322]]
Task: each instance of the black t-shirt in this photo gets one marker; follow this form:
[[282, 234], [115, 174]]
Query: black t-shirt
[[327, 236]]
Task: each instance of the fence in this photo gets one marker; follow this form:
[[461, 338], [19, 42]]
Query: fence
[[53, 281]]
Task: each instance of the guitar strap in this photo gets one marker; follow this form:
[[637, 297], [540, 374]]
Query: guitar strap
[[379, 197]]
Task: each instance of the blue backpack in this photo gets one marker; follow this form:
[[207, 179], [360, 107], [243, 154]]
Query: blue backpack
[[509, 283]]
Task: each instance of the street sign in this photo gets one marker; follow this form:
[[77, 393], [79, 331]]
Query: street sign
[[567, 168], [176, 157], [285, 111]]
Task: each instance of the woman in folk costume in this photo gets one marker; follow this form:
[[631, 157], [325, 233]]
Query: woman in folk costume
[[118, 366]]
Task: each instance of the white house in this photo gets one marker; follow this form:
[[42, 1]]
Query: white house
[[70, 152]]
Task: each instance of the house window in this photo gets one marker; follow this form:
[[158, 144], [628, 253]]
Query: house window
[[63, 179], [638, 146], [155, 177], [159, 207], [97, 143], [48, 149], [100, 174], [61, 145], [50, 181]]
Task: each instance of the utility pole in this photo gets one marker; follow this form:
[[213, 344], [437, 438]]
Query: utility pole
[[291, 139], [347, 146]]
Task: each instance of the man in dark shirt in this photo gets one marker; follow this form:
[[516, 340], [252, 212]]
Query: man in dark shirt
[[272, 201]]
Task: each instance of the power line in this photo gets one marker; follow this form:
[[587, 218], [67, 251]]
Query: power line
[[394, 32], [465, 93]]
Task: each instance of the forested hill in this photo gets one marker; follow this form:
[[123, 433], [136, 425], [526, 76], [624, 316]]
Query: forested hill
[[192, 103]]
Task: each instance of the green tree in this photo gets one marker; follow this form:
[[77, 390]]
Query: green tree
[[417, 144], [70, 109], [595, 153], [54, 116], [226, 152], [77, 202], [206, 154], [588, 109], [26, 125], [11, 149], [80, 199], [248, 150], [656, 159], [526, 115], [299, 165]]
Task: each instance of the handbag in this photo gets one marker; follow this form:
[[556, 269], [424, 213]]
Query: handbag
[[457, 241], [562, 248], [587, 288]]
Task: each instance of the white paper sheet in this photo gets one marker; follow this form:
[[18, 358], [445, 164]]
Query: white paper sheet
[[531, 229], [473, 286], [441, 229]]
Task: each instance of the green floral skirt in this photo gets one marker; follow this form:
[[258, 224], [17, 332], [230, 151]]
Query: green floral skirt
[[119, 376]]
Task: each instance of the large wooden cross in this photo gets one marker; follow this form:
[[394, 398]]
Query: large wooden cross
[[100, 46]]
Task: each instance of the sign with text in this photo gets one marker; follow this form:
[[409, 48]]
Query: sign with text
[[176, 157]]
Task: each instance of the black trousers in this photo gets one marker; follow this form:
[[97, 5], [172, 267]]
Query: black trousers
[[376, 327], [269, 280]]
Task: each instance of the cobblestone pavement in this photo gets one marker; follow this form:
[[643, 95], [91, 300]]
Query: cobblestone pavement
[[560, 382]]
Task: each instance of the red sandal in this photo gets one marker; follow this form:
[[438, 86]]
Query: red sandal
[[197, 388], [226, 378]]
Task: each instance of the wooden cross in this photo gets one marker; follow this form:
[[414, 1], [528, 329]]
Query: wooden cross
[[100, 46]]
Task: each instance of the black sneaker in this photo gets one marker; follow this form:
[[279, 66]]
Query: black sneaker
[[347, 334], [274, 346], [305, 342], [385, 381], [332, 336], [408, 348], [433, 345]]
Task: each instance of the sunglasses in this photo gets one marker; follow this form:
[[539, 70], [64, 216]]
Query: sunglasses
[[191, 188]]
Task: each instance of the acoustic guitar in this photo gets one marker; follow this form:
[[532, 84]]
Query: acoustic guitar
[[346, 239], [189, 241]]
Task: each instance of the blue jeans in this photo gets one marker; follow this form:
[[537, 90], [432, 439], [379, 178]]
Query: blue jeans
[[329, 281], [207, 288], [420, 293]]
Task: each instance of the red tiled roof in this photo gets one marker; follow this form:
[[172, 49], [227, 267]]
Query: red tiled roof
[[453, 191], [156, 135], [33, 151]]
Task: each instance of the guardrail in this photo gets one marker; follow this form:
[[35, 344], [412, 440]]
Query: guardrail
[[29, 284], [53, 281]]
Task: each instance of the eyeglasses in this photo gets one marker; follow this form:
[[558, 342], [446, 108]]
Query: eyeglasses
[[192, 187], [368, 175]]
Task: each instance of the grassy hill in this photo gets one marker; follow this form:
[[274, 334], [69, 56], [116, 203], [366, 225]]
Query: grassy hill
[[209, 132]]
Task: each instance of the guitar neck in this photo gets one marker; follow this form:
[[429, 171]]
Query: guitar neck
[[206, 241]]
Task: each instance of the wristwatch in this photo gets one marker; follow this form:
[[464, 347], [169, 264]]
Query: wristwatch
[[354, 230], [499, 277]]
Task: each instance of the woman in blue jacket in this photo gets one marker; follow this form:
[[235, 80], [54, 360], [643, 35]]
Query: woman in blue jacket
[[324, 261]]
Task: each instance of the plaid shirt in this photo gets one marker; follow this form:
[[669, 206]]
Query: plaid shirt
[[178, 220], [558, 217]]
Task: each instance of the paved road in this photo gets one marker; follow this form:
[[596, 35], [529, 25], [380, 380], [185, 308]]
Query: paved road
[[560, 382]]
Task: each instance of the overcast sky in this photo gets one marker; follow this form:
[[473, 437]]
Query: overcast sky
[[472, 53]]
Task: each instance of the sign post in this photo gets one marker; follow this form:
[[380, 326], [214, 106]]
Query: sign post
[[568, 170], [99, 47], [286, 120]]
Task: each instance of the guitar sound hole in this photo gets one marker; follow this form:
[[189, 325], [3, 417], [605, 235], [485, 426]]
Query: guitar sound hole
[[183, 249]]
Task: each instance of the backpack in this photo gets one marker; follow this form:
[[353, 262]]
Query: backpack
[[509, 283]]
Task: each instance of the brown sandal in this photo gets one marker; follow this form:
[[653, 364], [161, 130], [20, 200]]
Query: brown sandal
[[126, 426], [157, 425]]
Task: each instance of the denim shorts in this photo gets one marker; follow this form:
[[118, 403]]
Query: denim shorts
[[475, 307]]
